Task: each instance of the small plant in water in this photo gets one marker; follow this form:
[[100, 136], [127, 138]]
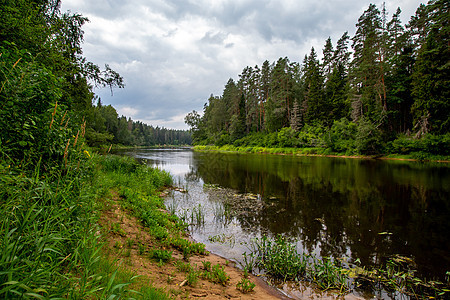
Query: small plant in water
[[197, 215], [172, 207], [222, 213], [327, 274], [249, 262], [280, 258]]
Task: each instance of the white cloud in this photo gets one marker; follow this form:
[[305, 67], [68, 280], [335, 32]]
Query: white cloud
[[174, 53]]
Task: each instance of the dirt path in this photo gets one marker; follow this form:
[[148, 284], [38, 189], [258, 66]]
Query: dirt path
[[130, 246]]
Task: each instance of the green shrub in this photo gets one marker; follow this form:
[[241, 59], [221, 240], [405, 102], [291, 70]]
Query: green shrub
[[434, 144], [286, 137], [161, 255], [245, 286], [341, 136], [368, 139]]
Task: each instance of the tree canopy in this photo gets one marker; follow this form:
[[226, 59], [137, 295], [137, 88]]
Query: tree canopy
[[393, 83], [44, 76]]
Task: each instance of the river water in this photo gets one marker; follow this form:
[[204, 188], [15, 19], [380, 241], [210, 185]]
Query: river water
[[336, 207]]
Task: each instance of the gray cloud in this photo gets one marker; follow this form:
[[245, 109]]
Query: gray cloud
[[174, 53]]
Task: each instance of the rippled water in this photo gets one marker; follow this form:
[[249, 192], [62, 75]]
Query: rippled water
[[352, 208]]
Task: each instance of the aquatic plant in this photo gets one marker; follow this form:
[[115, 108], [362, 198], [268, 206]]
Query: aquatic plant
[[280, 259], [222, 213], [197, 215], [328, 274]]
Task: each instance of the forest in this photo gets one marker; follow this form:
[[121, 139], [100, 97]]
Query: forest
[[384, 90], [42, 65], [108, 128]]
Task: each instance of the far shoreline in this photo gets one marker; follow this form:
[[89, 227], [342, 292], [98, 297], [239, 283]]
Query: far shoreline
[[301, 152]]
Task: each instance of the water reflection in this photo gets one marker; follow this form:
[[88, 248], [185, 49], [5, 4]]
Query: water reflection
[[331, 206], [342, 205]]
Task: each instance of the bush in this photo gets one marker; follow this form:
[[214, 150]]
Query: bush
[[311, 136], [420, 148], [368, 138], [287, 138], [341, 136]]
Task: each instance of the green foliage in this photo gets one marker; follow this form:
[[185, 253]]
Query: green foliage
[[368, 138], [327, 274], [192, 278], [434, 144], [183, 266], [50, 242], [216, 274], [341, 137], [245, 285], [396, 83], [287, 138], [161, 255], [280, 258], [148, 292]]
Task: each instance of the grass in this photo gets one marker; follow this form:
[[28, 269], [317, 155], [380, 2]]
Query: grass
[[50, 246], [51, 243], [280, 259], [245, 286]]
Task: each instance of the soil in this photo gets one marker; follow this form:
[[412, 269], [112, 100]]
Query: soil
[[124, 245]]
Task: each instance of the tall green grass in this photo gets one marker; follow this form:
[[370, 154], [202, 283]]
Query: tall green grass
[[137, 191], [49, 235], [50, 240]]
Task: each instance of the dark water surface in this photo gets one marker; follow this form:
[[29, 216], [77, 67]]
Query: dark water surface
[[354, 208]]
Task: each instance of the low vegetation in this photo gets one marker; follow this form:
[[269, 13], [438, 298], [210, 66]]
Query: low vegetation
[[430, 147], [51, 242], [280, 259]]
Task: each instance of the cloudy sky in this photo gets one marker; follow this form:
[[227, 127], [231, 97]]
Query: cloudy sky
[[173, 54]]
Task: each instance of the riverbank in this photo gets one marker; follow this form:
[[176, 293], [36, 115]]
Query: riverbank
[[162, 249], [321, 152], [145, 240], [97, 228]]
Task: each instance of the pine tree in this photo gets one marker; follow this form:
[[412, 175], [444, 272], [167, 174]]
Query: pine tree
[[341, 55], [264, 92], [431, 77], [367, 67], [278, 110], [313, 81], [327, 63]]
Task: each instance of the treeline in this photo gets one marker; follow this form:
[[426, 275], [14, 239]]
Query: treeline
[[43, 73], [388, 93], [108, 128]]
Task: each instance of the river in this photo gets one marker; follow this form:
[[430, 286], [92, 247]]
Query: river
[[351, 209]]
